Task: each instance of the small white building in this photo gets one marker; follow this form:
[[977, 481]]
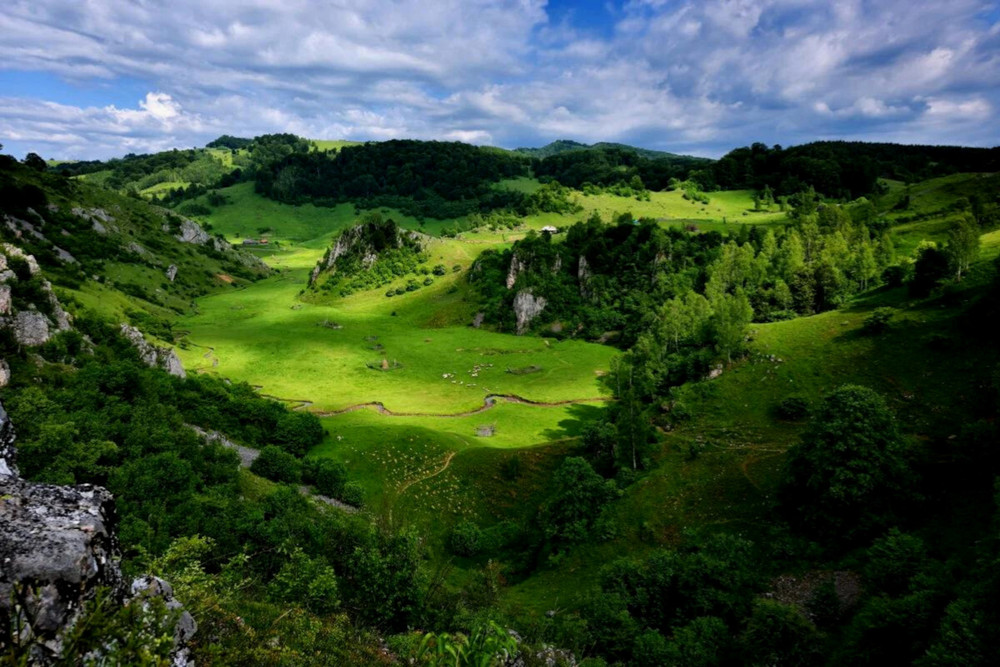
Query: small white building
[[550, 229]]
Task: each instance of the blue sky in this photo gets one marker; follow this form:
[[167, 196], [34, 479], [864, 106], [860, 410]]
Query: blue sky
[[107, 77]]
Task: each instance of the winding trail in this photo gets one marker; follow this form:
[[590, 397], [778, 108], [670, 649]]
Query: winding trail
[[489, 402], [447, 462]]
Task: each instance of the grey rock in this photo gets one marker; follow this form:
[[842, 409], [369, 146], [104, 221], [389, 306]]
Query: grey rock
[[134, 247], [14, 251], [171, 272], [191, 232], [8, 453], [151, 355], [583, 276], [64, 256], [5, 299], [147, 586], [57, 548], [477, 321], [31, 328], [4, 373], [517, 266], [526, 308]]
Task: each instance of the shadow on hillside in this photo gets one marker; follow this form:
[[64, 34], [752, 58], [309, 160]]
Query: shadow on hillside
[[580, 415]]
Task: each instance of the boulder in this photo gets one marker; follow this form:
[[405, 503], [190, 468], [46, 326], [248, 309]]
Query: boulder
[[171, 272], [4, 373], [191, 232], [31, 328]]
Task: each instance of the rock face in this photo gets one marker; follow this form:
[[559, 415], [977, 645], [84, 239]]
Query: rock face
[[583, 276], [516, 268], [57, 548], [526, 308], [153, 356]]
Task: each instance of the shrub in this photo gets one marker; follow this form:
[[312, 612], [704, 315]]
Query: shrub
[[329, 477], [440, 270], [466, 539], [277, 465], [793, 408], [353, 494], [878, 320]]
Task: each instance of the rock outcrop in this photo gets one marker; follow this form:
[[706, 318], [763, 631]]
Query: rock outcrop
[[517, 266], [153, 356], [57, 549], [171, 272], [366, 241], [35, 324], [583, 275], [526, 308]]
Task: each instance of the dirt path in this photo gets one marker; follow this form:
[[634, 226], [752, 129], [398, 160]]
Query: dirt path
[[447, 462]]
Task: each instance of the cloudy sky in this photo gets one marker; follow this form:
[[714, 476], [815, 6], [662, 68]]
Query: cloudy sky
[[98, 78]]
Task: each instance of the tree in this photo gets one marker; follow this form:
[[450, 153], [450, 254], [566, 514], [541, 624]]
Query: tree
[[35, 161], [962, 248], [732, 313], [849, 472], [930, 267], [580, 495]]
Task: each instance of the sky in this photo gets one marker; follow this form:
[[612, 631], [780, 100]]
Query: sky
[[86, 79]]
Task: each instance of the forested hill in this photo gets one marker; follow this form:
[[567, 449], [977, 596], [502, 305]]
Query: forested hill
[[119, 254], [561, 146], [840, 169], [436, 179]]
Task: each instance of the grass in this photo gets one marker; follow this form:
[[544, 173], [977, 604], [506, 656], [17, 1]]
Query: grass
[[728, 207], [334, 145], [266, 336]]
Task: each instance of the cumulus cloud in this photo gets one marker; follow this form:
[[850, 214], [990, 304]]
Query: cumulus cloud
[[680, 75]]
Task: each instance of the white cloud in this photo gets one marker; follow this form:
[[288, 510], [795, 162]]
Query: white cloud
[[682, 75]]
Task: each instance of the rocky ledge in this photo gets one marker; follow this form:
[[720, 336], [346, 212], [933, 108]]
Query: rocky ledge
[[58, 548]]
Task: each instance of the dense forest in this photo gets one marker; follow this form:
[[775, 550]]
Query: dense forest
[[840, 169], [434, 179]]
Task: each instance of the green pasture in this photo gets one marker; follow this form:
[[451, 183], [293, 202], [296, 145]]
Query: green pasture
[[332, 144], [734, 206], [265, 334]]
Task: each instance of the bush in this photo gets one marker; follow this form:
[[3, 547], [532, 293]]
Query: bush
[[277, 465], [793, 408], [440, 270], [878, 321], [466, 539], [894, 276], [353, 494], [330, 478], [296, 432]]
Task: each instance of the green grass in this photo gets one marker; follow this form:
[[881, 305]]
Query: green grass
[[266, 336], [160, 188], [734, 206], [332, 144]]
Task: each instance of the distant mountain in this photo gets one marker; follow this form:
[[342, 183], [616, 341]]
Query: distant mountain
[[566, 146]]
